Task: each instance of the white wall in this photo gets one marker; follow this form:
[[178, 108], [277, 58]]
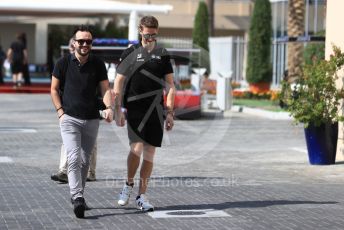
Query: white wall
[[335, 35], [334, 25]]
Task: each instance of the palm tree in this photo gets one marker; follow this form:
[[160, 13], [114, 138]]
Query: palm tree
[[296, 15]]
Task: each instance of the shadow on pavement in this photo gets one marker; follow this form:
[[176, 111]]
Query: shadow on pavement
[[220, 206], [243, 204], [127, 211], [181, 178]]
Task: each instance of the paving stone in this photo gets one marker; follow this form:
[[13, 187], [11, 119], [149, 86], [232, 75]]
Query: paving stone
[[243, 165]]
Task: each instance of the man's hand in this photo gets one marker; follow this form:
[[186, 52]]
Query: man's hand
[[169, 122], [61, 118], [120, 118], [108, 115]]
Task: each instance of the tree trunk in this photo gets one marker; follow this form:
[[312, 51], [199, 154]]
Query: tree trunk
[[210, 4], [296, 18]]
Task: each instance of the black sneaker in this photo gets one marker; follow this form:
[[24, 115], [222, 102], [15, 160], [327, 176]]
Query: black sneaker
[[87, 208], [54, 177], [79, 207]]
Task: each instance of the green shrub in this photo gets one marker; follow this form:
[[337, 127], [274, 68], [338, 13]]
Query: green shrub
[[314, 51], [315, 98]]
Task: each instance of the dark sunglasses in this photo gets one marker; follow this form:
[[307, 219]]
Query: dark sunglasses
[[83, 41], [148, 36]]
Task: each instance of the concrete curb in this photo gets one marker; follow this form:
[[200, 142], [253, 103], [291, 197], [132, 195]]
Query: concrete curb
[[211, 106], [262, 113]]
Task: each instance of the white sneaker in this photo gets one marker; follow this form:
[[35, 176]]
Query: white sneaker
[[143, 204], [125, 195]]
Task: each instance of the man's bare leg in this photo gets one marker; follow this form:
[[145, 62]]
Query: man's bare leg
[[146, 167], [133, 160]]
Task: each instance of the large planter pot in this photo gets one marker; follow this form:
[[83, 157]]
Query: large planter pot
[[322, 143], [261, 87]]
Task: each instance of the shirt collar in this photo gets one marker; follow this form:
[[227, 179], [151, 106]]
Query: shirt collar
[[90, 56]]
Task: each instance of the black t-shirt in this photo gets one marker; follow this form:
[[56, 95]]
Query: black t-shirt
[[145, 76], [80, 87], [17, 51]]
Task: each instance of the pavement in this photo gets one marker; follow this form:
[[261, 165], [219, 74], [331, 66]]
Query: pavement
[[238, 171]]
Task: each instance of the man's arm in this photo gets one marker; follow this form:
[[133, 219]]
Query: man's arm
[[9, 55], [171, 91], [55, 97], [118, 91], [25, 56], [106, 94]]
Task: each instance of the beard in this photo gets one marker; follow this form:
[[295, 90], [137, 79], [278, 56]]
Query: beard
[[82, 53], [149, 45]]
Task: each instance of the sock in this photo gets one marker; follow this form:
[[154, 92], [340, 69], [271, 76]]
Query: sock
[[131, 184]]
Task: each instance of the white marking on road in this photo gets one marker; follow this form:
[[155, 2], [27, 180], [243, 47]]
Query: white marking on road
[[192, 213], [301, 150], [17, 130], [4, 159]]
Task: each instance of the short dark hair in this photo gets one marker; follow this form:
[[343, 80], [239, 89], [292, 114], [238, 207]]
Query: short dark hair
[[21, 36], [149, 22], [82, 28]]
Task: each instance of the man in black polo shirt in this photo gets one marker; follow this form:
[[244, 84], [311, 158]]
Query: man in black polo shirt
[[80, 74], [146, 70]]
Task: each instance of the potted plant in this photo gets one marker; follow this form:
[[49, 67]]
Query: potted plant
[[315, 100]]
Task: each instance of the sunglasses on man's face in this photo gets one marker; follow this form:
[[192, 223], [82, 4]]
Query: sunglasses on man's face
[[83, 41], [148, 36]]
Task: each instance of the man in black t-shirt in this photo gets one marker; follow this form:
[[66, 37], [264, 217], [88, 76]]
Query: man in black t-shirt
[[61, 175], [144, 71], [79, 75], [26, 74], [17, 55]]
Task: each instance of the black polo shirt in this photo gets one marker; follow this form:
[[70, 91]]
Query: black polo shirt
[[80, 87], [145, 75]]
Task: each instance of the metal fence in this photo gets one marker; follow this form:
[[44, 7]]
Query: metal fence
[[279, 51], [238, 53], [279, 62]]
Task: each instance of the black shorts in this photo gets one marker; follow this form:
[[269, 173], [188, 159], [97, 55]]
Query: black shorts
[[17, 67], [149, 131]]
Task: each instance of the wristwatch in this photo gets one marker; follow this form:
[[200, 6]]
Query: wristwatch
[[170, 112]]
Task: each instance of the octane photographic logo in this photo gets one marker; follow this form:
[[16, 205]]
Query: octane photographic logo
[[189, 140]]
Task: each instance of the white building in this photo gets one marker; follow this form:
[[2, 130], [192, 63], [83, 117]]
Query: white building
[[33, 18]]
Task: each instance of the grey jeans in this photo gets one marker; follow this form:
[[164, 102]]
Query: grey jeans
[[79, 137], [63, 160]]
